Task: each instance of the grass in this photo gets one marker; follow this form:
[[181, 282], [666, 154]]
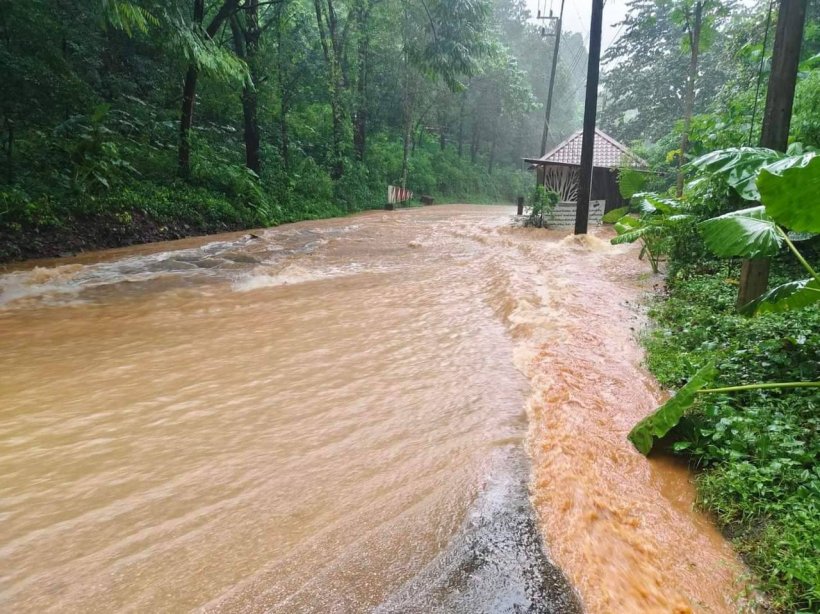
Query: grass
[[757, 451]]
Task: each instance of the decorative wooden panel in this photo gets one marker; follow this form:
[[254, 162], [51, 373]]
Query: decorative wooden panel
[[562, 179]]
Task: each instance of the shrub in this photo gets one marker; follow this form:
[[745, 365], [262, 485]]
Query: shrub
[[540, 203]]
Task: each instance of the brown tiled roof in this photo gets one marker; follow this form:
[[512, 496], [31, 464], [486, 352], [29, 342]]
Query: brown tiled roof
[[607, 153]]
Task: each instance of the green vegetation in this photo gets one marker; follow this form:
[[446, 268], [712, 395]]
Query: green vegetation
[[540, 205], [747, 376], [656, 221], [123, 121], [757, 450], [746, 411]]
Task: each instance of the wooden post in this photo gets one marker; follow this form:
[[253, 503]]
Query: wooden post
[[590, 112], [520, 205], [754, 274]]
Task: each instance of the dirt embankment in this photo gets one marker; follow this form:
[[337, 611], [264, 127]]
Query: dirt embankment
[[97, 232]]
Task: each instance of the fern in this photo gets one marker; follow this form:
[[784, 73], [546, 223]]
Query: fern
[[199, 49], [127, 16]]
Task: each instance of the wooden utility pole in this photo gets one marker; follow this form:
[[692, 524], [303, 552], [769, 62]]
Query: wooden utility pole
[[754, 274], [551, 88], [694, 21], [590, 112]]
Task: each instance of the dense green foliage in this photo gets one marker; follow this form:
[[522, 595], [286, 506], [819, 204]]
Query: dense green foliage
[[655, 221], [746, 409], [540, 205], [758, 450], [784, 184], [130, 120], [643, 97]]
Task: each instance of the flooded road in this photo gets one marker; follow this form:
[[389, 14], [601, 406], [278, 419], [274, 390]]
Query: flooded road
[[332, 417]]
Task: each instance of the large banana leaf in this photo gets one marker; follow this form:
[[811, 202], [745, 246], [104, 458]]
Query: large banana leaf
[[747, 233], [649, 202], [739, 166], [629, 235], [792, 295], [663, 419], [790, 190]]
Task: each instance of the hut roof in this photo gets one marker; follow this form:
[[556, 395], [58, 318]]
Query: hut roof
[[607, 153]]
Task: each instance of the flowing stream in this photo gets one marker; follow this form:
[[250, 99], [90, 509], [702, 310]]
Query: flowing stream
[[414, 411]]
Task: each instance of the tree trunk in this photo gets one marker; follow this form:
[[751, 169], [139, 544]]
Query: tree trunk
[[491, 161], [246, 43], [333, 48], [186, 120], [689, 101], [405, 153], [363, 52], [284, 144], [754, 274], [188, 99], [9, 124], [284, 91], [475, 142], [461, 126], [407, 115]]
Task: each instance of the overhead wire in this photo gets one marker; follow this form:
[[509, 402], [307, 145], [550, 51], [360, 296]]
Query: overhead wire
[[760, 72]]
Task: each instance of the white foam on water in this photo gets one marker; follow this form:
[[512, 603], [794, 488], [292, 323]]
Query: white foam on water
[[291, 274]]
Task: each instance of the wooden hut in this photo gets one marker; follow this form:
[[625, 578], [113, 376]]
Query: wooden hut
[[558, 170]]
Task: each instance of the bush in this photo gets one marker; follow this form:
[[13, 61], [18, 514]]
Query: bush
[[757, 450], [541, 203]]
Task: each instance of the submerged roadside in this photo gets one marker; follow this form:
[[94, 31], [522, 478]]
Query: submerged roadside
[[151, 213], [756, 451]]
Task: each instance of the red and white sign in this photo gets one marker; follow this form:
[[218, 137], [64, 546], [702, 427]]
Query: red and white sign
[[396, 194]]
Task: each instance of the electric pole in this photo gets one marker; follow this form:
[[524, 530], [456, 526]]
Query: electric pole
[[590, 112], [754, 274], [554, 69]]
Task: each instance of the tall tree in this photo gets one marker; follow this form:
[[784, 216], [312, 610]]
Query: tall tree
[[697, 17], [647, 76], [754, 277], [225, 11], [333, 37], [246, 31]]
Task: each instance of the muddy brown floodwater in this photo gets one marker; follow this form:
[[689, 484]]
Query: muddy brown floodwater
[[333, 417]]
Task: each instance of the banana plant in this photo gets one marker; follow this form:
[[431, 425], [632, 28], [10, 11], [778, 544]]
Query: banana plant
[[789, 190], [656, 217]]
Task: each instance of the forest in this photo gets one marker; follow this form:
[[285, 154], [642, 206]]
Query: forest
[[128, 121]]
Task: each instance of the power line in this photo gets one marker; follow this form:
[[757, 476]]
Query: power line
[[760, 71]]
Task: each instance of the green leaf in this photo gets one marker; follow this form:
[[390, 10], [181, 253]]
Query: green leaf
[[628, 222], [791, 192], [631, 181], [663, 419], [748, 233], [613, 216], [652, 203], [786, 297], [800, 236], [126, 16], [628, 235], [738, 166]]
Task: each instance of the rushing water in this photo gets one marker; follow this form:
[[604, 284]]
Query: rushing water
[[331, 417]]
